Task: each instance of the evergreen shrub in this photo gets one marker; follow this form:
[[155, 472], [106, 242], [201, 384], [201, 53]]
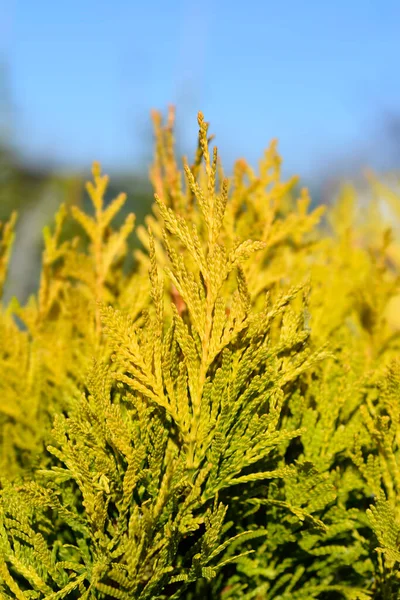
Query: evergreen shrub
[[220, 419]]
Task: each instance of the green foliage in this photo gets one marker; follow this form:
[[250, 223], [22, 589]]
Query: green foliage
[[218, 419]]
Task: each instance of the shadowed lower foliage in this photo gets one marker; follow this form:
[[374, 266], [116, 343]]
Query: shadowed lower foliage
[[219, 419]]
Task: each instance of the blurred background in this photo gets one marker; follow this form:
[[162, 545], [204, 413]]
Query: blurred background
[[78, 80]]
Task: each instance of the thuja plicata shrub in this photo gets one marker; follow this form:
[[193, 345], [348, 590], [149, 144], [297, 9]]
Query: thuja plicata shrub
[[221, 418]]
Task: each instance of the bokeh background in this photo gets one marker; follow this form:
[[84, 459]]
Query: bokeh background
[[78, 80]]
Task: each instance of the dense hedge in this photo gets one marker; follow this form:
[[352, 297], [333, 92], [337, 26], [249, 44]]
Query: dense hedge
[[219, 419]]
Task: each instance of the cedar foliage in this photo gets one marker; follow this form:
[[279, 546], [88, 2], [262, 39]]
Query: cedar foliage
[[219, 420]]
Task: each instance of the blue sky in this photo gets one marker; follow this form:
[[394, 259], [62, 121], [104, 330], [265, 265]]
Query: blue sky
[[317, 74]]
